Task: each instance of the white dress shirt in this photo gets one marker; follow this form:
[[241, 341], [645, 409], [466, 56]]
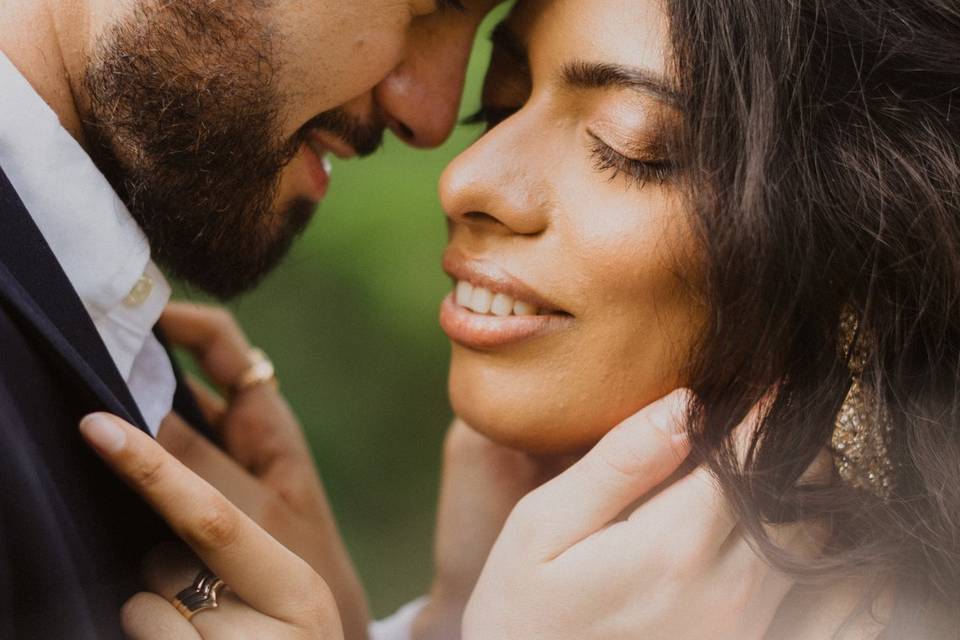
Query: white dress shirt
[[399, 626], [93, 236]]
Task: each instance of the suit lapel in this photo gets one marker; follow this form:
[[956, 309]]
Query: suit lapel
[[33, 283], [184, 403]]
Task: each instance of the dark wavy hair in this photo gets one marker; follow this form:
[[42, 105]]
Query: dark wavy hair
[[822, 139]]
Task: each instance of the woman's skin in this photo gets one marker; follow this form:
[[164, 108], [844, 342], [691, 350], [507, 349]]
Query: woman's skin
[[275, 595], [689, 546], [572, 190], [574, 196], [611, 252]]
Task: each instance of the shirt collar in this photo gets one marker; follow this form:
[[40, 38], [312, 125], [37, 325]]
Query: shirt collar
[[99, 245]]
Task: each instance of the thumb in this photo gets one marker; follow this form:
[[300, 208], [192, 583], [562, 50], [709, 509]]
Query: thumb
[[625, 465]]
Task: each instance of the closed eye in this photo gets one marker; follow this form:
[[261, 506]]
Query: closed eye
[[637, 172]]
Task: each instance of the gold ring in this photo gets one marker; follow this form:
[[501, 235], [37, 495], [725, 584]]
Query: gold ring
[[199, 596], [261, 371]]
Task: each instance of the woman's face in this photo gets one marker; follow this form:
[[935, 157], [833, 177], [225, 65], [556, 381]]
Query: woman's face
[[569, 244]]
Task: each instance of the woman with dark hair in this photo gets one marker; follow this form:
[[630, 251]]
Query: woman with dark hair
[[815, 149], [757, 200], [824, 158]]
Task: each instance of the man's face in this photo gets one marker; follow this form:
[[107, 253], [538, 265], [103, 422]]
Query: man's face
[[213, 118]]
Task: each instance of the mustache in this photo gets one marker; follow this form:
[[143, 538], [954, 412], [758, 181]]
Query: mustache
[[366, 138]]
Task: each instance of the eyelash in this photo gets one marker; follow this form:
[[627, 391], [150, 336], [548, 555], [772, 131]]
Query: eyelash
[[638, 172], [605, 158]]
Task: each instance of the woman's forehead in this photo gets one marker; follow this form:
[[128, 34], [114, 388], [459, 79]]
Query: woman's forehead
[[628, 32]]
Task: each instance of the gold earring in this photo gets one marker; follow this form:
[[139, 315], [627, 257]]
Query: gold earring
[[861, 436]]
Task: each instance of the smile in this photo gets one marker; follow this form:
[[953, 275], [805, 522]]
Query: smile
[[319, 167], [486, 302], [489, 308], [318, 149]]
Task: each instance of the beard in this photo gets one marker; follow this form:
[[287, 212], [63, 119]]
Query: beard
[[182, 114]]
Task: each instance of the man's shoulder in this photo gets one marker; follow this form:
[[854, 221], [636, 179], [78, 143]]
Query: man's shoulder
[[31, 382]]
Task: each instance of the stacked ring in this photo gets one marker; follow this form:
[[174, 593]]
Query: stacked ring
[[199, 596]]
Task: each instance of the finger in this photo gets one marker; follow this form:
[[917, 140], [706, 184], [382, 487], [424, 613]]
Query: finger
[[212, 337], [630, 461], [256, 566], [171, 568], [696, 502], [697, 512], [258, 430], [748, 579], [693, 512], [261, 432], [212, 464], [147, 616], [212, 406]]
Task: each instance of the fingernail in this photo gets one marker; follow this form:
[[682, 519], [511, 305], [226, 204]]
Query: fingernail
[[103, 433]]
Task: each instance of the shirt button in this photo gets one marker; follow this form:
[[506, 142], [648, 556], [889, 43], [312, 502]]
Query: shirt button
[[140, 292]]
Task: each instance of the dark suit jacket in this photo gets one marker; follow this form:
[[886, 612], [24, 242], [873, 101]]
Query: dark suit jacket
[[71, 535]]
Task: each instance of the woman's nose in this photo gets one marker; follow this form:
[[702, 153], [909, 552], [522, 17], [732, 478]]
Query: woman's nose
[[495, 186]]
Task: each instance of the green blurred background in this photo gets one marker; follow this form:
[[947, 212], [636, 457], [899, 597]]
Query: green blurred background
[[350, 321]]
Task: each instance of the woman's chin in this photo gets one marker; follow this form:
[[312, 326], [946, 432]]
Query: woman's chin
[[537, 435], [515, 437], [543, 410]]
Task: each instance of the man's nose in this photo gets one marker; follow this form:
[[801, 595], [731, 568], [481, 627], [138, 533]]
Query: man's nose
[[420, 99]]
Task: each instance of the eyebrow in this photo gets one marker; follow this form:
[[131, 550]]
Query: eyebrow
[[603, 75], [590, 75]]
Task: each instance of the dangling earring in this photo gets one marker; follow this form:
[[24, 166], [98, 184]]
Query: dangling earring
[[861, 436]]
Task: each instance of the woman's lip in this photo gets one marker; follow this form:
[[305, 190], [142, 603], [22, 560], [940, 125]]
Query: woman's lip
[[489, 276], [483, 332]]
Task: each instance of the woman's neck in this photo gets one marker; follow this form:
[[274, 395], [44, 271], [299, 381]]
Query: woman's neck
[[810, 613]]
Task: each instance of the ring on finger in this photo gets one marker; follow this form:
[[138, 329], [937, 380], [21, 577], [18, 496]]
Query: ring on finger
[[260, 372], [201, 595]]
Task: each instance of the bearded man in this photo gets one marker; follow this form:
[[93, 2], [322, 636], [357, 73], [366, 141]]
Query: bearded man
[[191, 136]]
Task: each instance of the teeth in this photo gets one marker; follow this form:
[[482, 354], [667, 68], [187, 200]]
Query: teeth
[[524, 309], [464, 293], [480, 301], [323, 154], [484, 301], [502, 305]]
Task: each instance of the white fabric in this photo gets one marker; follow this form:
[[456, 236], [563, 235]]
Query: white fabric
[[93, 236], [399, 626]]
